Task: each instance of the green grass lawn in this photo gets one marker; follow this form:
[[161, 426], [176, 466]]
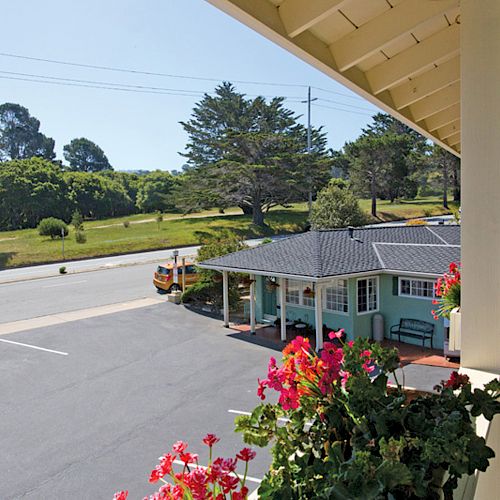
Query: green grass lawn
[[108, 237]]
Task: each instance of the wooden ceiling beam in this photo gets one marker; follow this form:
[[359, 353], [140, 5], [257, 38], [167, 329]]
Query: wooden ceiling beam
[[436, 102], [454, 139], [299, 15], [437, 48], [443, 118], [424, 85], [374, 35], [449, 130]]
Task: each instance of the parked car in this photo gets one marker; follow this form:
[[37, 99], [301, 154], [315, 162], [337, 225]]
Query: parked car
[[164, 277]]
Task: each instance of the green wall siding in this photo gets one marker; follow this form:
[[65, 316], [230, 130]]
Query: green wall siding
[[392, 307]]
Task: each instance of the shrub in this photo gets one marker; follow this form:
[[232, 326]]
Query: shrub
[[52, 227], [77, 221], [208, 291], [126, 224], [62, 270], [427, 212], [80, 236], [336, 207]]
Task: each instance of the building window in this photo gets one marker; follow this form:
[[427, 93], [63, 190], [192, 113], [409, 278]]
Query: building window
[[367, 295], [423, 289], [308, 294], [300, 293], [293, 291], [336, 296]]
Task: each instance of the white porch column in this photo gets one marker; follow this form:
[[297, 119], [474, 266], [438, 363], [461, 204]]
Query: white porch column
[[252, 305], [318, 302], [480, 100], [225, 297], [282, 283]]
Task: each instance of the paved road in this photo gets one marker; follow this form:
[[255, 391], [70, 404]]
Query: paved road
[[86, 424], [41, 297]]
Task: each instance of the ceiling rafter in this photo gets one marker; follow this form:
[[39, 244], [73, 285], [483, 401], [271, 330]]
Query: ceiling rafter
[[426, 84], [437, 48], [299, 15], [443, 118], [385, 28], [436, 102], [454, 139], [449, 130]]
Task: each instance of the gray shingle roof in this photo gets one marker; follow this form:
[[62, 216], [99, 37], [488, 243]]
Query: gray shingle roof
[[319, 254]]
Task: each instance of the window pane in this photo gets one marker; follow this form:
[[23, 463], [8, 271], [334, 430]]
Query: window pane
[[292, 292], [308, 295], [336, 296], [362, 296], [405, 287]]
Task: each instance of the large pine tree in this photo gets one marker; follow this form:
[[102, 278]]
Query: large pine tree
[[250, 153]]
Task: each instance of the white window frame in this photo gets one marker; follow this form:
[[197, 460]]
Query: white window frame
[[409, 295], [330, 285], [303, 284], [377, 291]]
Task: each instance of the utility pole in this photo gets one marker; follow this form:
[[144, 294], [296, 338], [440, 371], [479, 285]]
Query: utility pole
[[309, 142]]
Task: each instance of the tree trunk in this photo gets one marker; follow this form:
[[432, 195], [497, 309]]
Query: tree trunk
[[257, 215], [456, 183], [374, 196], [445, 185], [247, 210]]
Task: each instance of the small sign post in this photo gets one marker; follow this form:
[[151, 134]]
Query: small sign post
[[62, 236], [175, 254]]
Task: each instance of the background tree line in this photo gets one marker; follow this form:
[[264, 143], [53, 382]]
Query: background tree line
[[250, 153]]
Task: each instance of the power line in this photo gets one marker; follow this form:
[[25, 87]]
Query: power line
[[142, 89], [342, 104], [345, 110], [357, 98], [149, 73], [171, 75]]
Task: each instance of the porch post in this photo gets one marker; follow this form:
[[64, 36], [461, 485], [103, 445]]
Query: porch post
[[282, 284], [225, 297], [480, 101], [318, 302], [252, 305]]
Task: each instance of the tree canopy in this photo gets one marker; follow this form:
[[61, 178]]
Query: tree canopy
[[250, 153], [85, 156], [20, 135], [336, 207]]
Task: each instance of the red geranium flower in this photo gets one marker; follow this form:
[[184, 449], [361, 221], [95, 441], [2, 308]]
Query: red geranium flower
[[179, 447], [210, 439], [246, 454], [120, 495], [456, 381]]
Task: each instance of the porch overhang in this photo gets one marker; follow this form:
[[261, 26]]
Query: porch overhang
[[401, 55]]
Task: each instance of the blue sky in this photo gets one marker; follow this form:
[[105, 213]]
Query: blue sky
[[178, 37]]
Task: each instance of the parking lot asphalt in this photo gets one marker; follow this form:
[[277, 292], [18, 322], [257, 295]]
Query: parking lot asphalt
[[94, 419]]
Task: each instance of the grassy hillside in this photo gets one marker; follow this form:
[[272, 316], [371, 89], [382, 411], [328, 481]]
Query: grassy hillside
[[107, 237]]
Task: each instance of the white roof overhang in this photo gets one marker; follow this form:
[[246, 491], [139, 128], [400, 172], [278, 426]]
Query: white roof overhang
[[401, 55]]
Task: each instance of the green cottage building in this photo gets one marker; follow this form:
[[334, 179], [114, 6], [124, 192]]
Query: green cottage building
[[342, 278]]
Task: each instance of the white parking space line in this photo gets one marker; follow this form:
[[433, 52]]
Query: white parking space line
[[65, 284], [34, 347], [249, 478]]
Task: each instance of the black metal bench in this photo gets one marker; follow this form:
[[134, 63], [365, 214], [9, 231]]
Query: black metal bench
[[414, 328]]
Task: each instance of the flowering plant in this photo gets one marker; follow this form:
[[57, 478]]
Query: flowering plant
[[339, 431], [217, 481], [447, 291]]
